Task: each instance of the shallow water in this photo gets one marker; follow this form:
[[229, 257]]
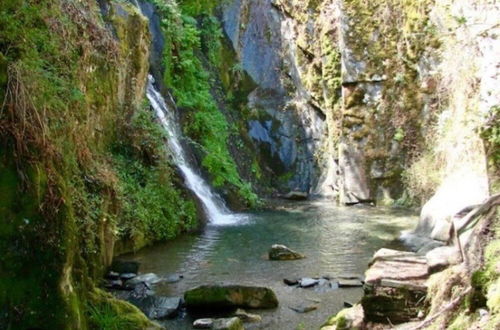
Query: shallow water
[[335, 240]]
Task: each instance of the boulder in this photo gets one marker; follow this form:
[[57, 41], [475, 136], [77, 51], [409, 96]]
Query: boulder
[[232, 323], [281, 252], [157, 307], [247, 317], [203, 323], [230, 296]]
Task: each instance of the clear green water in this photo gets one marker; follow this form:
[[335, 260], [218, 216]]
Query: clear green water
[[335, 240]]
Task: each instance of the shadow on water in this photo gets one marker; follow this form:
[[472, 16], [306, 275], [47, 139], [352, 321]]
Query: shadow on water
[[335, 240]]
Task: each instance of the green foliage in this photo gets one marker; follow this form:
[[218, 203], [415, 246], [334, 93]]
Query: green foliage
[[152, 207], [490, 133], [105, 318], [185, 74]]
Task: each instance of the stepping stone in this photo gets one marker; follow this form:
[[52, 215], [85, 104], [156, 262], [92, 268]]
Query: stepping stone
[[307, 282]]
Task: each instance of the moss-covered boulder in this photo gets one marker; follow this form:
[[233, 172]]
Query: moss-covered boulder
[[230, 296]]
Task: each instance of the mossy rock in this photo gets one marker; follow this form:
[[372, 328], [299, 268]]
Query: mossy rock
[[230, 296]]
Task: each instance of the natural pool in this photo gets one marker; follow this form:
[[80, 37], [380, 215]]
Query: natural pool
[[335, 240]]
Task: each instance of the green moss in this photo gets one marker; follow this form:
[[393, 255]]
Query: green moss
[[74, 96], [106, 312]]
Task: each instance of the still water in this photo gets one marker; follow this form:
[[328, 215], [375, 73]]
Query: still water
[[335, 240]]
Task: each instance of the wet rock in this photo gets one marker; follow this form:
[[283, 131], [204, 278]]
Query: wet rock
[[296, 196], [112, 275], [127, 276], [247, 317], [149, 278], [121, 266], [113, 284], [203, 323], [232, 323], [281, 252], [303, 308], [173, 278], [228, 296], [307, 282], [290, 282], [349, 283], [157, 307]]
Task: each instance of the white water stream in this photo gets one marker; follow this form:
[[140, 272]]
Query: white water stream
[[216, 210]]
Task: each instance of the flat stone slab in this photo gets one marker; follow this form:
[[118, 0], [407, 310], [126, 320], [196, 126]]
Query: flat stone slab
[[349, 283], [397, 265]]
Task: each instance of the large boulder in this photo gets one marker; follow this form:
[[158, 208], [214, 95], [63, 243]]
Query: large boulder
[[281, 252], [230, 296]]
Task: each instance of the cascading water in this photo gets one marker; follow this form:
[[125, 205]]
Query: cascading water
[[217, 212]]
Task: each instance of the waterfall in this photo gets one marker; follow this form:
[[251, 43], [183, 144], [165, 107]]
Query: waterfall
[[216, 210]]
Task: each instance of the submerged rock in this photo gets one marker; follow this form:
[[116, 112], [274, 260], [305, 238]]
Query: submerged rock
[[290, 282], [308, 282], [203, 323], [247, 317], [149, 279], [349, 283], [282, 252], [228, 296], [232, 323], [303, 308]]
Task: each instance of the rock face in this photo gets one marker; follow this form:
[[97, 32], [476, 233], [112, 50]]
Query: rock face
[[281, 252], [229, 296]]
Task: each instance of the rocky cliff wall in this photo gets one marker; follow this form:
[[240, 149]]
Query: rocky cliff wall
[[366, 96]]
